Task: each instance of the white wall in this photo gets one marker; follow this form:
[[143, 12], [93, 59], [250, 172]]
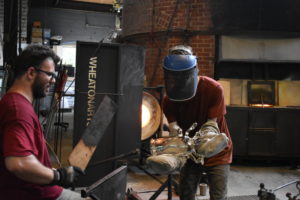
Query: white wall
[[285, 91], [260, 49]]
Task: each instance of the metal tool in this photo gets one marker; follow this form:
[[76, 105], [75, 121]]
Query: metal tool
[[188, 140], [297, 196], [268, 194]]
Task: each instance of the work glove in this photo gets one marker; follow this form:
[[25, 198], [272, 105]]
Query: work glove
[[66, 176], [209, 141], [168, 155], [166, 163], [174, 129]]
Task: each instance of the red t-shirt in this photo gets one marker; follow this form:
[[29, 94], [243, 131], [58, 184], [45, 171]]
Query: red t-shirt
[[21, 134], [208, 103]]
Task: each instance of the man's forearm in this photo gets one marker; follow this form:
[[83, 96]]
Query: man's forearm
[[29, 169]]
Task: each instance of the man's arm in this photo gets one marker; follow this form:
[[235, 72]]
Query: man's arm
[[28, 168]]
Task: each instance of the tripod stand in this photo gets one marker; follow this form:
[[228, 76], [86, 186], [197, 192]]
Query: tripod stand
[[168, 183]]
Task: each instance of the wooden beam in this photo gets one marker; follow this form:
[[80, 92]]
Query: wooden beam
[[111, 2], [83, 151], [73, 4]]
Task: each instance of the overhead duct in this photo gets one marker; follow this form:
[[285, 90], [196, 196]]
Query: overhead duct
[[97, 1]]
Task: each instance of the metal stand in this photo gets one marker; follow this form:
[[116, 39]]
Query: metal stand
[[168, 183], [268, 194]]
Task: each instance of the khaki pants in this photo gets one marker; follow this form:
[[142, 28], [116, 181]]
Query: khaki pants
[[190, 176]]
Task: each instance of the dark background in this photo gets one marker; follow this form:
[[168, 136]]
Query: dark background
[[120, 70]]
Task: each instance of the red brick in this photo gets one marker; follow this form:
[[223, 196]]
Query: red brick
[[199, 20]]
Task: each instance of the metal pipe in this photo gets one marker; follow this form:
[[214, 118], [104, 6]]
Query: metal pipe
[[20, 25], [282, 186]]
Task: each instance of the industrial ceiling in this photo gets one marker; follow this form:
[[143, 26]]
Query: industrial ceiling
[[98, 1]]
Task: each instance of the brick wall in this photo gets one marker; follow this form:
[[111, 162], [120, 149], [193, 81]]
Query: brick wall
[[158, 25]]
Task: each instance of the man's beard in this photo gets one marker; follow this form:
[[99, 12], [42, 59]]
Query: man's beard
[[38, 88]]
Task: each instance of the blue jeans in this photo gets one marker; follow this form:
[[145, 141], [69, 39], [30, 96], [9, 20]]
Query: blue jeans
[[190, 176]]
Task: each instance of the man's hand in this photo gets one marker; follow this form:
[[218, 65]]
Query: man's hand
[[174, 129], [66, 176], [210, 128], [208, 140]]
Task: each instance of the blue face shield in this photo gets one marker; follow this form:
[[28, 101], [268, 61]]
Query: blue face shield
[[181, 76]]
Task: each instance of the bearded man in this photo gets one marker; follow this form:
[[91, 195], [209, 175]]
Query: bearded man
[[25, 167]]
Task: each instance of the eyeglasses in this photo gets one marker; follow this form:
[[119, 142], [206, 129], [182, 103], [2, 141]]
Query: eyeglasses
[[50, 74]]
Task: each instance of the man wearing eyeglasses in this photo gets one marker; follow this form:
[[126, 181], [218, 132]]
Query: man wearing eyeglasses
[[25, 168]]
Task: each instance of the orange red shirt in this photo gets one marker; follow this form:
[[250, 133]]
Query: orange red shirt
[[21, 134], [208, 103]]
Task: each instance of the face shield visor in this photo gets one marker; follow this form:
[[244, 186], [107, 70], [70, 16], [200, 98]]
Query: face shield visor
[[181, 76]]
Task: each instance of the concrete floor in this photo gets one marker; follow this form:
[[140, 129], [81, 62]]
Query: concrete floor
[[244, 178]]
